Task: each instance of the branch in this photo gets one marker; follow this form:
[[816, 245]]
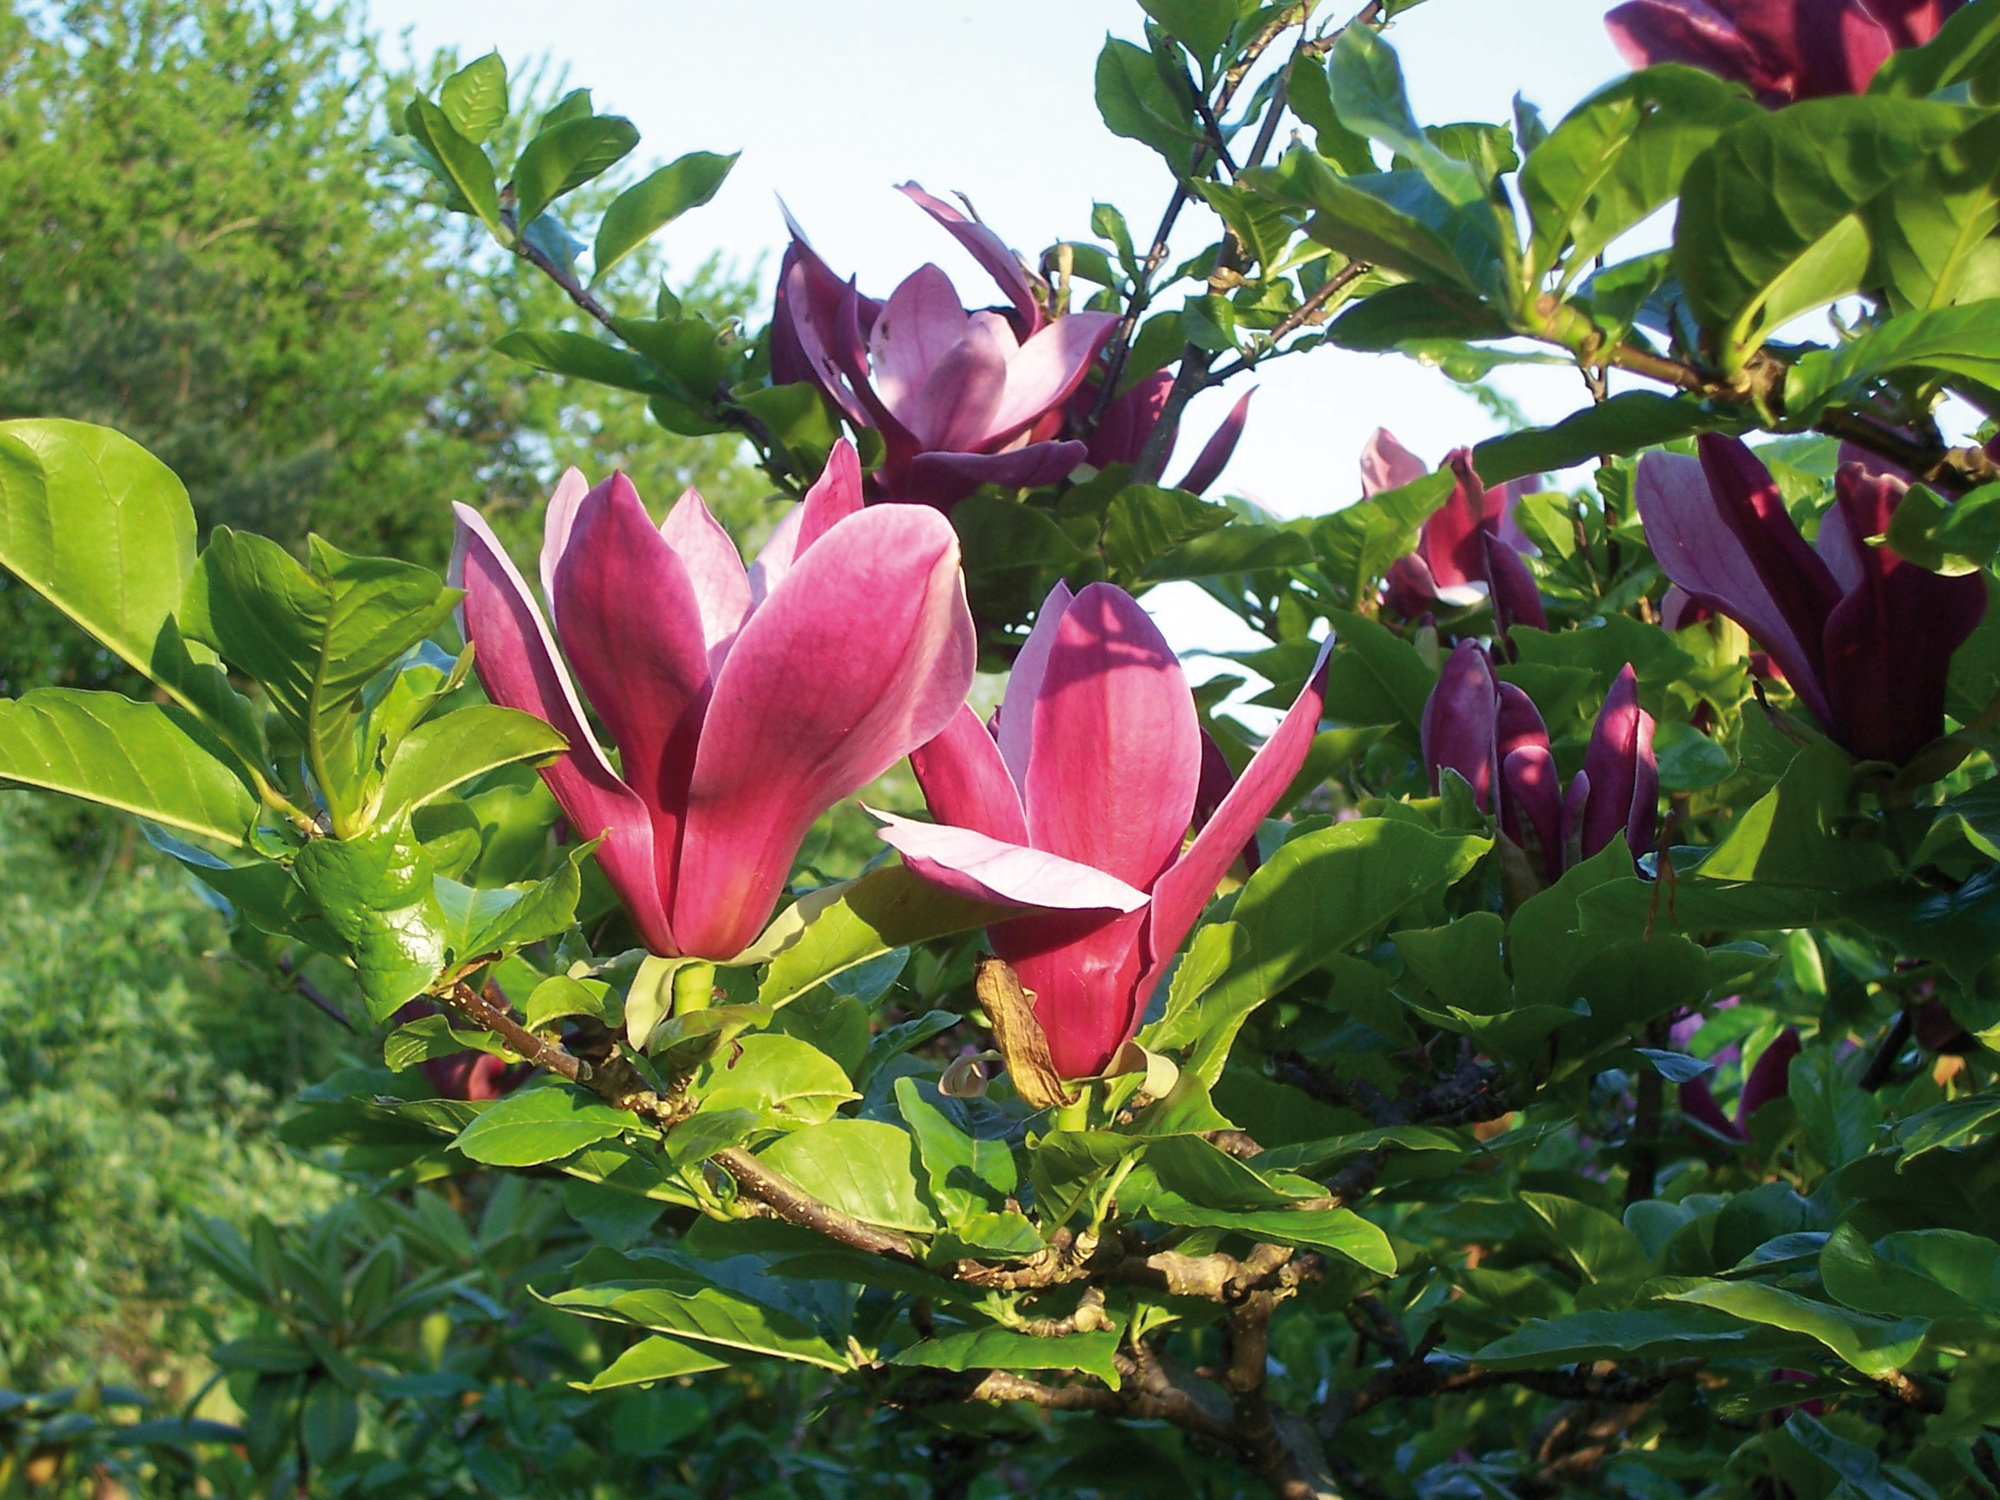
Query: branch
[[564, 279], [310, 991], [794, 1204]]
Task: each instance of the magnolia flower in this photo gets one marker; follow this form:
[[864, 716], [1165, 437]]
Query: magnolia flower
[[1128, 421], [743, 704], [1491, 734], [1471, 547], [464, 1075], [961, 398], [1781, 49], [1769, 1079], [1864, 638], [1076, 807]]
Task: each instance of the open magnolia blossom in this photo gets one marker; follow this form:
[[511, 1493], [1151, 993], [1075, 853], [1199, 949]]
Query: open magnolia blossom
[[1076, 807], [1490, 733], [1782, 50], [1864, 638], [1128, 422], [961, 398], [1468, 550], [743, 703]]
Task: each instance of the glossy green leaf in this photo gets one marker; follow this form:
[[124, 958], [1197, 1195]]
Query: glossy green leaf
[[434, 1036], [1339, 1230], [455, 747], [1933, 227], [656, 201], [136, 757], [864, 1167], [655, 1358], [1924, 1273], [1799, 833], [474, 99], [1629, 421], [1409, 310], [537, 1125], [1966, 50], [562, 352], [463, 164], [966, 1175], [1617, 157], [1359, 543], [377, 893], [98, 527], [1136, 103], [1004, 1349], [1393, 219], [564, 157], [1145, 523], [836, 929], [775, 1074], [1874, 1346], [1948, 340], [1771, 220], [1641, 1333], [1368, 96], [1598, 1245], [707, 1315]]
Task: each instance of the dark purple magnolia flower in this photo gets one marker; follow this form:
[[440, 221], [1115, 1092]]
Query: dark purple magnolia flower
[[1129, 420], [961, 398], [464, 1075], [1770, 1079], [1491, 734], [1864, 638], [1469, 550], [1781, 50]]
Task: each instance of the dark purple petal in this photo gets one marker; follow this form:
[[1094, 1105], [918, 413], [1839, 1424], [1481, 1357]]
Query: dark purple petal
[[1611, 764], [1120, 436], [1217, 451], [991, 252], [1697, 1103], [943, 479], [1531, 811], [1771, 1078], [1516, 600], [1460, 719]]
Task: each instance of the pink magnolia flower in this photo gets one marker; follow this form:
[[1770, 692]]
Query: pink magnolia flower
[[1864, 638], [1781, 49], [1769, 1079], [1470, 549], [743, 703], [1491, 734], [961, 398], [1120, 437], [1075, 808]]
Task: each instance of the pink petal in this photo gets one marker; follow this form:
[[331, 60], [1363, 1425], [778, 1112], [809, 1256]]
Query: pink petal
[[1043, 372], [943, 479], [988, 249], [1387, 465], [714, 568], [835, 495], [557, 521], [1024, 684], [1770, 1078], [812, 330], [1533, 806], [1180, 893], [1611, 762], [1518, 725], [1219, 449], [1647, 32], [921, 323], [1516, 599], [518, 665], [955, 407], [630, 621], [971, 864], [1408, 589], [1460, 720], [1645, 819], [1742, 570], [965, 782], [1128, 421], [1117, 747], [862, 653], [1083, 969], [1502, 505], [1453, 541]]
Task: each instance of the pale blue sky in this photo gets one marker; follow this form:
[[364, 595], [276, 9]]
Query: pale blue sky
[[833, 104]]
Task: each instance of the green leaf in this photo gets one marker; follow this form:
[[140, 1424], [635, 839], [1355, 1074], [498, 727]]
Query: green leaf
[[836, 929], [136, 757], [1259, 225], [1393, 219], [98, 527], [536, 1125], [708, 1315], [377, 892], [1922, 1273], [1359, 543], [1933, 227], [1137, 104], [780, 1076], [1641, 1333], [968, 1176], [1145, 522], [1951, 340], [462, 164], [1339, 1230], [1411, 310], [655, 202], [1317, 896], [454, 748], [1966, 50], [313, 639], [561, 996], [1617, 157], [1209, 320], [1241, 547], [1607, 1253], [1368, 96], [1201, 26], [1874, 1346], [1689, 761], [1377, 676], [434, 1036], [1771, 219], [474, 99], [1626, 423], [863, 1167], [561, 352], [564, 157], [1799, 832], [654, 1358], [1004, 1349], [329, 1418], [482, 922]]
